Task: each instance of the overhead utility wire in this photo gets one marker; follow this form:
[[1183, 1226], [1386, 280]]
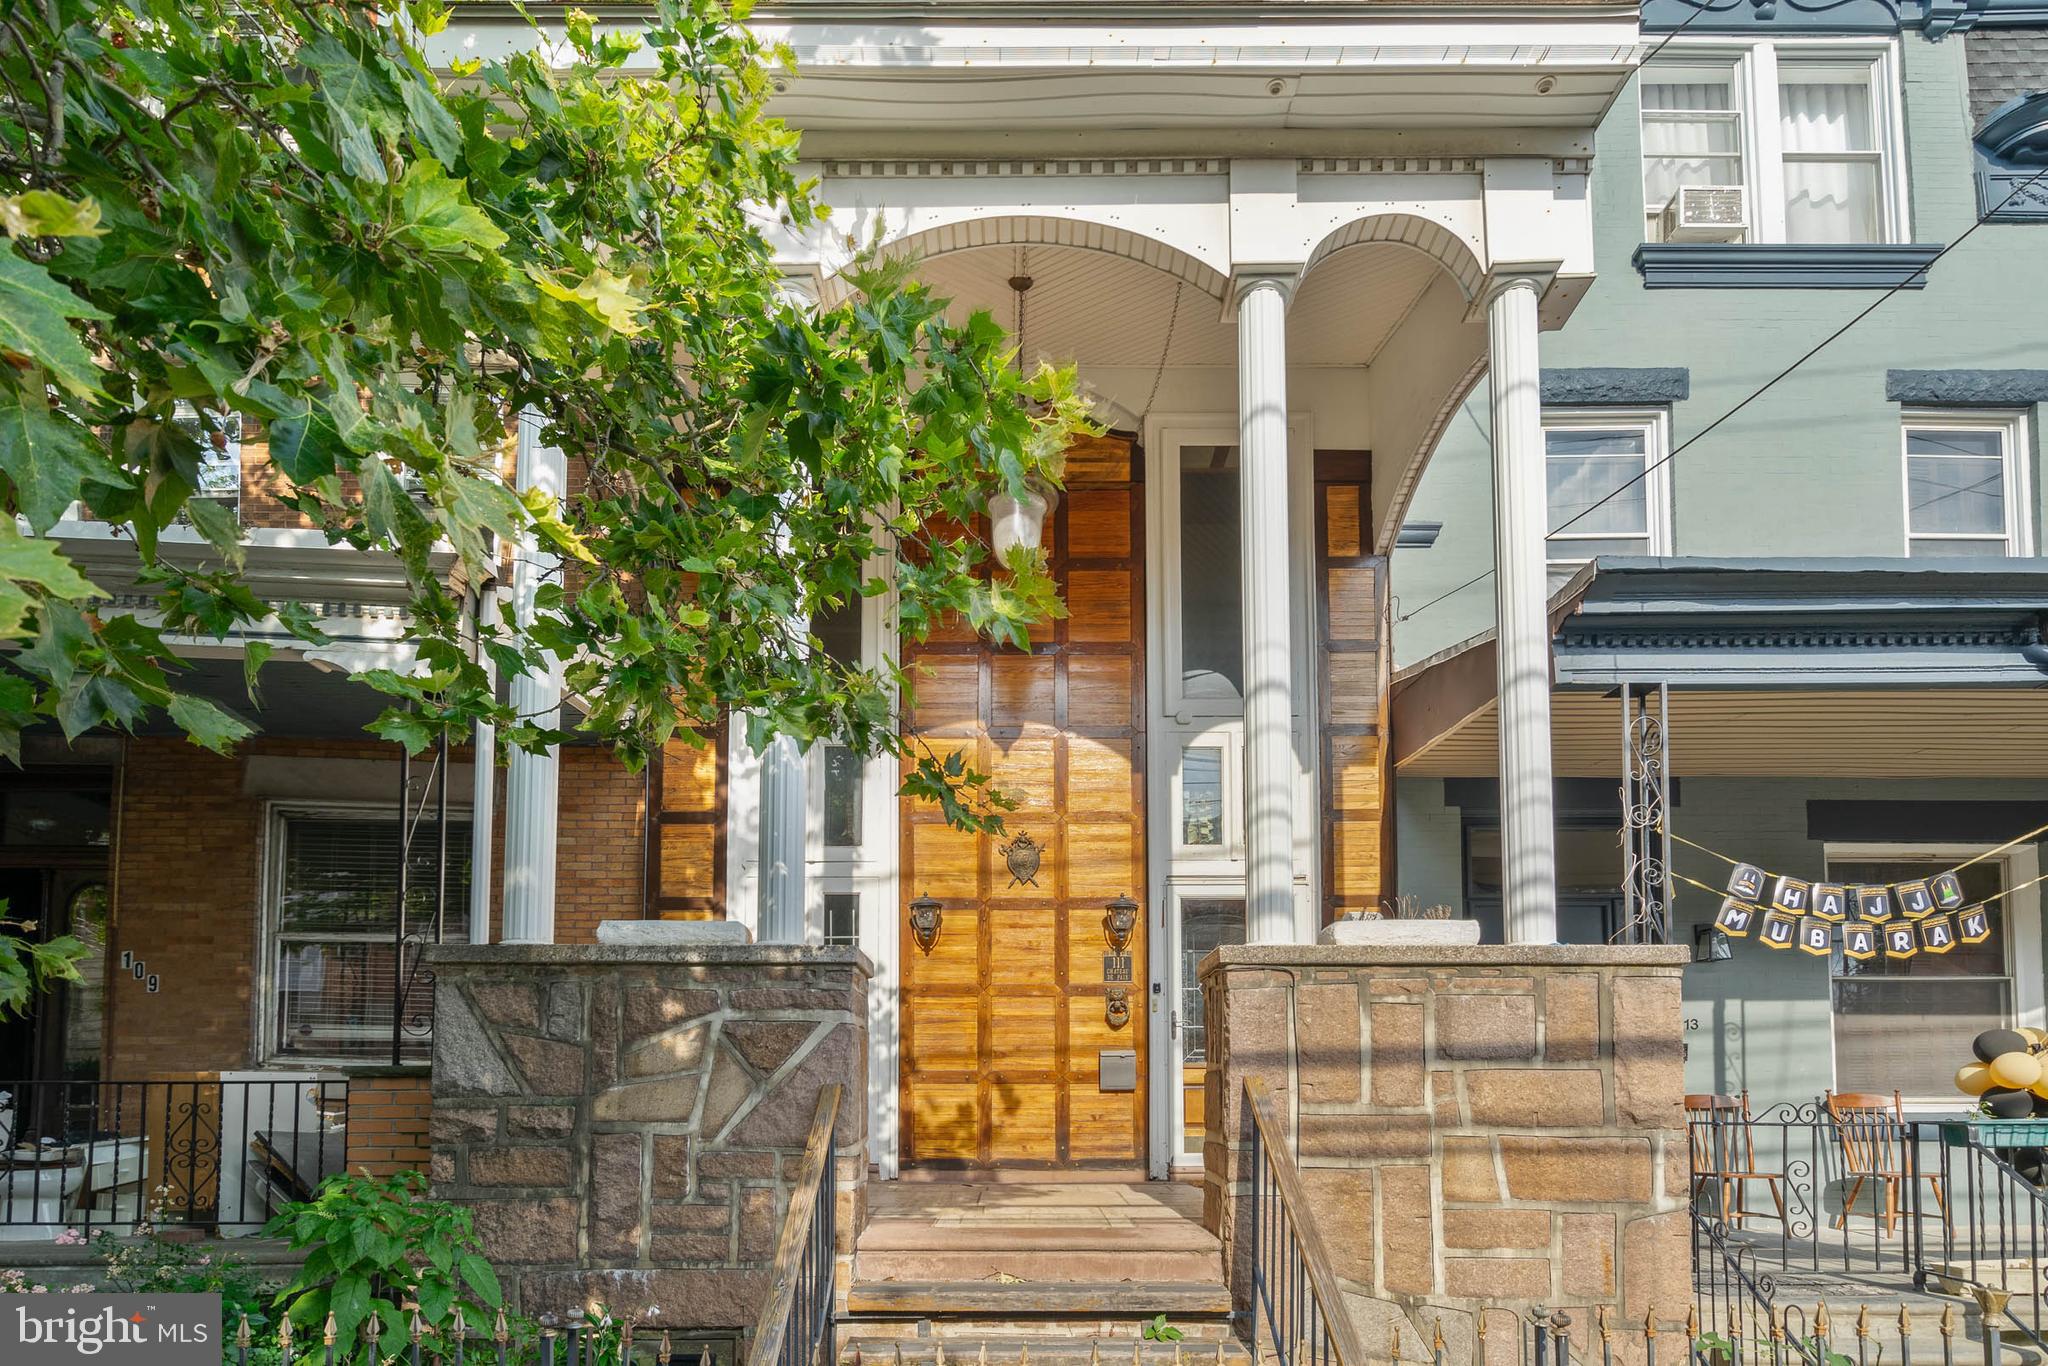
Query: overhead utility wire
[[1678, 450]]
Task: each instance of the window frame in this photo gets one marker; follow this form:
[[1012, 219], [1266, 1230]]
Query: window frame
[[1655, 424], [1757, 73], [2012, 426], [1173, 668], [2022, 932], [269, 1050]]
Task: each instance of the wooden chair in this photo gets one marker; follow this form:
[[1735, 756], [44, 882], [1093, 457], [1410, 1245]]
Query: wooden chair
[[1871, 1130], [1724, 1155]]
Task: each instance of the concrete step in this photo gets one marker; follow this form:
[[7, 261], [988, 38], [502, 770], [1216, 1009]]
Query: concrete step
[[1122, 1299], [1167, 1233], [1057, 1262], [1045, 1350]]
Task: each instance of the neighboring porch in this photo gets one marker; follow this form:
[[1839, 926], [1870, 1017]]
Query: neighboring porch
[[1833, 720]]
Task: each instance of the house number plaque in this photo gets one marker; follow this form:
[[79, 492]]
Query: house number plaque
[[1116, 967]]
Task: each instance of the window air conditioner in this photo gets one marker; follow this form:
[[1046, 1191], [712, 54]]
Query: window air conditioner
[[1706, 213]]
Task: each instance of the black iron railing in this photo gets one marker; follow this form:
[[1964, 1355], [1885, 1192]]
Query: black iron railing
[[1989, 1228], [1298, 1312], [796, 1324], [116, 1154]]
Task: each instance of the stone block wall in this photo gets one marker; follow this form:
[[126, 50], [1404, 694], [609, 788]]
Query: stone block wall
[[626, 1124], [1480, 1130]]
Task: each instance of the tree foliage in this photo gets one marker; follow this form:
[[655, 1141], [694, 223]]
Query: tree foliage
[[276, 212]]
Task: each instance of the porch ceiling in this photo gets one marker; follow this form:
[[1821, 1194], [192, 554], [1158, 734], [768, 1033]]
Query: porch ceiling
[[1092, 308], [1936, 733]]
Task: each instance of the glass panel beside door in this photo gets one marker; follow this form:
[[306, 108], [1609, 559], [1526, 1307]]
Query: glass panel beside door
[[1205, 923]]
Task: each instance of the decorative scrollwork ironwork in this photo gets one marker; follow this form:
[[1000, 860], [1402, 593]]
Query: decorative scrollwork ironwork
[[1646, 874]]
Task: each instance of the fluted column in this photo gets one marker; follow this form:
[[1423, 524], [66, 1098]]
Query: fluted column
[[1521, 592], [779, 905], [532, 780], [1269, 767]]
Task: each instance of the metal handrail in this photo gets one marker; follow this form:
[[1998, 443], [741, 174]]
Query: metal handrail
[[796, 1322], [1294, 1291]]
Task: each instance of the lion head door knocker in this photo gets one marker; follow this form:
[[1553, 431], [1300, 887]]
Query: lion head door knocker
[[1116, 1007], [1119, 920], [926, 915], [1021, 856]]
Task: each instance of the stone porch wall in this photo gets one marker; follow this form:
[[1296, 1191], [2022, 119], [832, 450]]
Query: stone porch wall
[[625, 1124], [1480, 1130]]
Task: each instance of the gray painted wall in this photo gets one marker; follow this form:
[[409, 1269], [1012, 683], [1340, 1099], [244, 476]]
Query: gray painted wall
[[1760, 1022], [1813, 466]]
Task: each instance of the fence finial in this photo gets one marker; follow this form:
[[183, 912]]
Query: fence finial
[[1650, 1324], [327, 1333], [1436, 1336], [1692, 1324], [1394, 1353], [1480, 1328], [284, 1338], [1948, 1320], [626, 1342], [1905, 1321], [1820, 1319], [667, 1351], [939, 1352], [501, 1331], [242, 1332], [1094, 1351], [1176, 1352], [981, 1357], [1599, 1321], [1777, 1324], [1137, 1347], [419, 1326], [1863, 1321]]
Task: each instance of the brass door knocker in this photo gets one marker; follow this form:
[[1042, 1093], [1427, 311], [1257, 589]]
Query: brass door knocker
[[1116, 1008]]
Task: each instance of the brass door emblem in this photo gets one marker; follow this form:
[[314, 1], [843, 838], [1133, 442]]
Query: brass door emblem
[[1116, 1007], [1021, 856]]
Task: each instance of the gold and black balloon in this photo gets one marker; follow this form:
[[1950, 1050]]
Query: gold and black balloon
[[2010, 1075]]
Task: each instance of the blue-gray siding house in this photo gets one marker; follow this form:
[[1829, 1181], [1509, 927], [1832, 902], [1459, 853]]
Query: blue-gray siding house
[[1794, 466]]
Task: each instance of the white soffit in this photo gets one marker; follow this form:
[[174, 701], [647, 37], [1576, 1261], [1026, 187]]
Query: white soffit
[[1091, 308]]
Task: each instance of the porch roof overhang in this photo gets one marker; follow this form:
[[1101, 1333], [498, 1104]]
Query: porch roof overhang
[[1793, 667], [1009, 66]]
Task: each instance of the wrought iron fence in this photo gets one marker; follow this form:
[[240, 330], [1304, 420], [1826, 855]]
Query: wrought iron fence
[[1298, 1312], [796, 1324], [115, 1154], [1989, 1229], [576, 1343]]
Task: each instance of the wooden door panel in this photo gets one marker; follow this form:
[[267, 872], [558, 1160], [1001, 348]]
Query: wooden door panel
[[1004, 1020]]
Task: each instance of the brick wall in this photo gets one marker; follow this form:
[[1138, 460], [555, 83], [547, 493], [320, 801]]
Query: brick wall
[[1480, 1130], [625, 1123], [187, 868], [388, 1114]]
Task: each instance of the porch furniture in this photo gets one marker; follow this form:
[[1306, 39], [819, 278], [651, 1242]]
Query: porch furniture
[[1723, 1141], [293, 1162], [1871, 1130]]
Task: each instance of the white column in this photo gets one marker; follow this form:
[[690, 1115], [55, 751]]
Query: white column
[[532, 780], [483, 791], [1521, 592], [785, 779], [1269, 768]]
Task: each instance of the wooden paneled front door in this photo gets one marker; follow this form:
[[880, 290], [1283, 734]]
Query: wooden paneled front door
[[1007, 1021]]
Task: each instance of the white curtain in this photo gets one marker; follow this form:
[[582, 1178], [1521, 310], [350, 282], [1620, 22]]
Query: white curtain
[[1677, 150], [1829, 197]]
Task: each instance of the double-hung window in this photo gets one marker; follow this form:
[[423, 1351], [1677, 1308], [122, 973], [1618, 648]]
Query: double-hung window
[[339, 954], [1966, 484], [1807, 129], [1607, 490]]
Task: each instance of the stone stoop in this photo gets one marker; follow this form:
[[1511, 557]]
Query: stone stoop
[[954, 1350], [1062, 1275]]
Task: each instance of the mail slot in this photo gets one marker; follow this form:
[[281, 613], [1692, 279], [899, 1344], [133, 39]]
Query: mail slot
[[1118, 1069]]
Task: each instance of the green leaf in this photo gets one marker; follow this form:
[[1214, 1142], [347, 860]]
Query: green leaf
[[484, 1281], [213, 521], [255, 654], [42, 563], [432, 124], [44, 213], [207, 725], [35, 314], [601, 294], [47, 456], [437, 216]]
